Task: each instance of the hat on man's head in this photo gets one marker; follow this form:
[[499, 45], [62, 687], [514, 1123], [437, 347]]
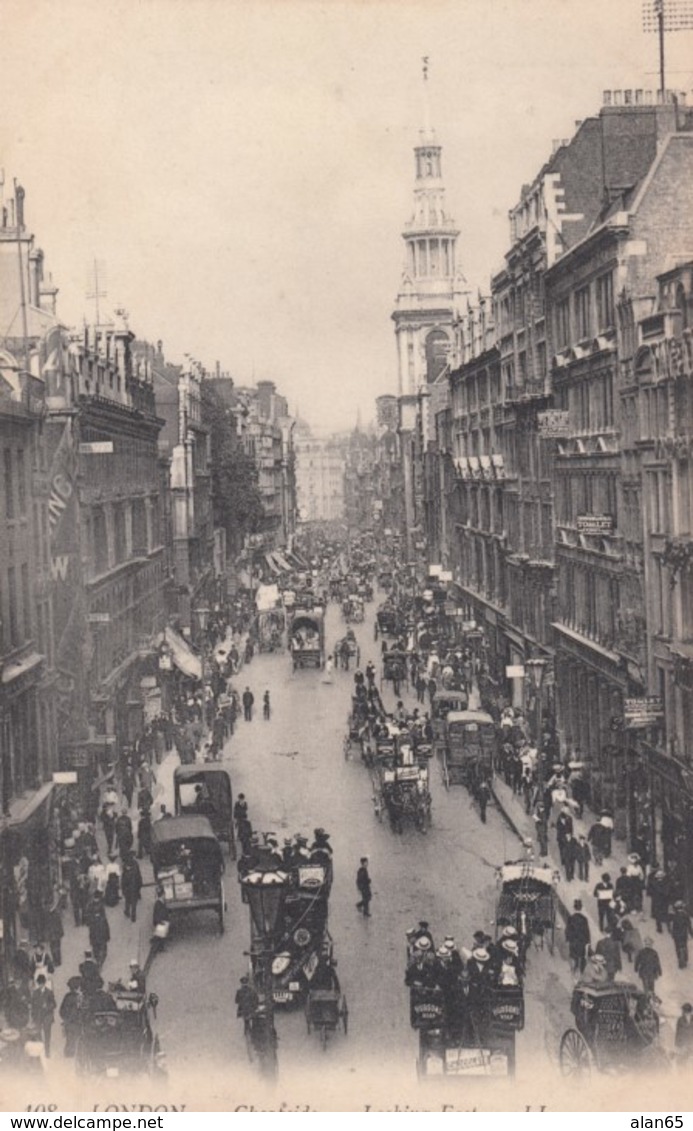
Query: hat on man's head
[[480, 954]]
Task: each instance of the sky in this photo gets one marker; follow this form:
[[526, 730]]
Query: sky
[[242, 169]]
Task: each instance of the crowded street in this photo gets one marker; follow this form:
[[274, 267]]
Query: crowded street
[[275, 707]]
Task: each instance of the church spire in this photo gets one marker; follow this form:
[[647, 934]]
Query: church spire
[[431, 282]]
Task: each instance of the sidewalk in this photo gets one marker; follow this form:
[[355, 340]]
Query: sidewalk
[[675, 986]]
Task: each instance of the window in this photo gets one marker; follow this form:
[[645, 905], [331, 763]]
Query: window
[[26, 601], [582, 313], [12, 606], [562, 324], [9, 483], [21, 483], [605, 301], [100, 541], [139, 527], [119, 531]]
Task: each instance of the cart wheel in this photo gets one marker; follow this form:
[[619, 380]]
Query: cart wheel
[[345, 1016], [574, 1054]]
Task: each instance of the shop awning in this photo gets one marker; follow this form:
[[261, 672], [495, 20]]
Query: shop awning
[[13, 669], [32, 811], [182, 655], [271, 563]]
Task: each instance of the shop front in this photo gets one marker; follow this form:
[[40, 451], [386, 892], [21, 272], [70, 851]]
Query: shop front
[[591, 685]]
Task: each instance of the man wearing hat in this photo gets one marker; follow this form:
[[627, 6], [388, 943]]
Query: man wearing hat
[[577, 934], [659, 891], [43, 1011], [246, 1001], [70, 1014], [648, 966], [136, 977], [363, 883], [99, 930], [681, 931]]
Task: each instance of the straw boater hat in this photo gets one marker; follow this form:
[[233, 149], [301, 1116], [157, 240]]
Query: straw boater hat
[[480, 954], [510, 945], [509, 933], [423, 943]]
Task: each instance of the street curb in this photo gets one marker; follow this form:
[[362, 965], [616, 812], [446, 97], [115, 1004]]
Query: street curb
[[564, 912]]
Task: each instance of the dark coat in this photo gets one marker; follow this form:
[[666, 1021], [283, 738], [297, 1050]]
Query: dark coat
[[647, 963], [577, 931], [99, 930], [610, 951], [363, 880], [131, 882], [43, 1005], [680, 925]]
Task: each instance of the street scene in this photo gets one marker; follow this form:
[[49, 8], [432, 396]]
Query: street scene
[[346, 689]]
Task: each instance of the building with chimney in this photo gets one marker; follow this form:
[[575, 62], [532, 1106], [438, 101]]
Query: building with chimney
[[642, 222]]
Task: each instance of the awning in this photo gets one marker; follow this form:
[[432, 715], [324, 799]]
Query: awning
[[32, 811], [271, 563], [12, 670], [183, 656]]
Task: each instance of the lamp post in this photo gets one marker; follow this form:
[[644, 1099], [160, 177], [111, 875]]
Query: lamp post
[[264, 891], [537, 670]]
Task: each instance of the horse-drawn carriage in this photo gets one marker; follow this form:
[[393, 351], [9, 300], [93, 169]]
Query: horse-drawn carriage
[[307, 638], [120, 1038], [386, 619], [466, 1031], [395, 669], [347, 649], [445, 702], [616, 1030], [401, 792], [357, 727], [527, 902], [326, 1005], [469, 746]]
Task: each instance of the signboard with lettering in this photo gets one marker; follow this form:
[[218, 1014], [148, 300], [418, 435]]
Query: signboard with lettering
[[595, 523], [514, 671], [553, 424], [97, 448], [642, 712]]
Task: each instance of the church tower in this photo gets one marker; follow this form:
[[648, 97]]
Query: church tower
[[431, 282]]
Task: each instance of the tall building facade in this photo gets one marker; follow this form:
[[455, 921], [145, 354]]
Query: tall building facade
[[320, 468]]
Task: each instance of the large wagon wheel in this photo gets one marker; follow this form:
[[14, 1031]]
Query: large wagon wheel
[[574, 1054]]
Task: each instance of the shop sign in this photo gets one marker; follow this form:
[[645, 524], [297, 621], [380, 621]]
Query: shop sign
[[97, 448], [642, 712], [553, 424], [595, 524], [515, 671], [64, 777], [98, 618]]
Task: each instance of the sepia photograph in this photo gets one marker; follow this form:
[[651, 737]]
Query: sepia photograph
[[346, 556]]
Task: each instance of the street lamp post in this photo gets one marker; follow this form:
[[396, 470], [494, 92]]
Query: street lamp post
[[537, 670], [264, 891]]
